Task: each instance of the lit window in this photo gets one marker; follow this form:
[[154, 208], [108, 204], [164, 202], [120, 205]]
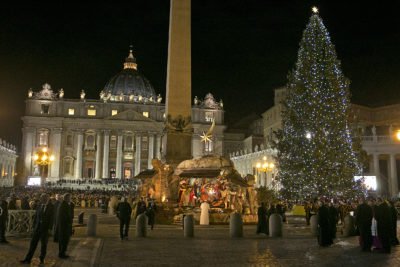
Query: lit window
[[71, 111], [91, 112], [209, 116], [146, 114], [114, 112], [163, 115], [45, 109]]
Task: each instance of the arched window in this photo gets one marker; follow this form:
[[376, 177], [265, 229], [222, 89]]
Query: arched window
[[128, 142], [43, 138]]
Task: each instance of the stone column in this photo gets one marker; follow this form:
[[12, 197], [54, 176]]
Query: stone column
[[27, 148], [377, 173], [55, 150], [393, 176], [78, 165], [158, 147], [98, 156], [150, 152], [106, 152], [118, 165], [138, 153]]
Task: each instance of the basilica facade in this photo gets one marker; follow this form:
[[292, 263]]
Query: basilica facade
[[8, 159], [115, 136]]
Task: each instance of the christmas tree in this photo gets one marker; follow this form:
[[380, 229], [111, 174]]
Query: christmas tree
[[315, 151]]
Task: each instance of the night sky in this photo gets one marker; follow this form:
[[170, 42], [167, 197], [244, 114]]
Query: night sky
[[241, 50]]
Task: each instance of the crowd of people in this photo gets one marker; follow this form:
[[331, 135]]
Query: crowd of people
[[127, 185], [51, 215], [27, 198], [375, 222], [54, 213]]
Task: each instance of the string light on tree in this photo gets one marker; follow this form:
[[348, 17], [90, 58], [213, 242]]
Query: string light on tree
[[322, 162]]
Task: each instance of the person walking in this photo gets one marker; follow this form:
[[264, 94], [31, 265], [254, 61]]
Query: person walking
[[42, 223], [383, 218], [64, 225], [3, 219], [124, 212], [151, 213], [325, 229], [364, 217], [262, 223]]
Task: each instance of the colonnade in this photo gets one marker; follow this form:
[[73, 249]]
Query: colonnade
[[393, 186], [103, 153]]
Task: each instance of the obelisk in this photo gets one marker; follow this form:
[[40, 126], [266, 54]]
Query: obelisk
[[178, 138]]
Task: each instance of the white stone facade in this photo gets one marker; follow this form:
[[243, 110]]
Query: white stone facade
[[115, 136], [377, 126], [104, 145], [8, 159]]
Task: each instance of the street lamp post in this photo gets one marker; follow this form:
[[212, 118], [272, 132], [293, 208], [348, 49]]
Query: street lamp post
[[43, 158], [265, 166]]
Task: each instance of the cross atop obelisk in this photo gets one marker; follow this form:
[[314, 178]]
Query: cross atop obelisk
[[178, 138]]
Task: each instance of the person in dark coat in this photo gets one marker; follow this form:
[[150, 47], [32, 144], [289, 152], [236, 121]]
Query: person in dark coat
[[56, 204], [394, 239], [25, 204], [262, 223], [364, 217], [42, 223], [12, 205], [151, 214], [3, 219], [333, 218], [64, 225], [383, 217], [124, 212], [324, 226], [141, 207]]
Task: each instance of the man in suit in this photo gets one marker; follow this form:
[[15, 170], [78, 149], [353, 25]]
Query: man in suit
[[42, 223], [124, 211], [3, 219], [64, 224]]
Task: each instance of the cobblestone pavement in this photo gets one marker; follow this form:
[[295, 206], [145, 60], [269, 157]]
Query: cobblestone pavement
[[211, 246]]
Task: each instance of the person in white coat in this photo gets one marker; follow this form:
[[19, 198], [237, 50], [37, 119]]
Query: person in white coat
[[204, 217]]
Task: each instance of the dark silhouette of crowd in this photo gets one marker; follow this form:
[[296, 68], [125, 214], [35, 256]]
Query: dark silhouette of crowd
[[375, 221]]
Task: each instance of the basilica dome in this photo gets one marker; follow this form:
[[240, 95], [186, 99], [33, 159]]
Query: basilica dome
[[129, 83]]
